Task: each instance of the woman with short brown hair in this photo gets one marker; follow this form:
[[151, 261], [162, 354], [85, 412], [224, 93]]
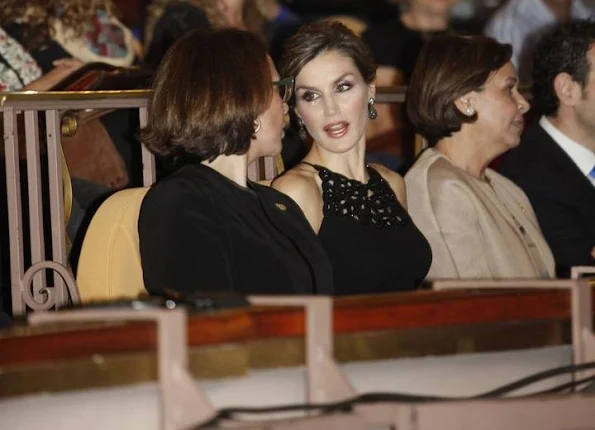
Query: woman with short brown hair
[[216, 106], [464, 100]]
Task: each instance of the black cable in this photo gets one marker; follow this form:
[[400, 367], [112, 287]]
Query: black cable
[[536, 377], [379, 397], [342, 406], [565, 386]]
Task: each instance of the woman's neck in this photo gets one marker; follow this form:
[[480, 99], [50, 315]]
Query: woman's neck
[[417, 19], [233, 167], [350, 164], [465, 154]]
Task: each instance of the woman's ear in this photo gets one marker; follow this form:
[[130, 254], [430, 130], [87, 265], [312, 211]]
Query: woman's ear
[[372, 89], [465, 105]]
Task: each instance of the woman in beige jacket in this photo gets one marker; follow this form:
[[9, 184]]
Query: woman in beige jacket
[[464, 99]]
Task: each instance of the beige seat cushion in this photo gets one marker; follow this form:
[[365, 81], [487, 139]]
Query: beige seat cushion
[[109, 264]]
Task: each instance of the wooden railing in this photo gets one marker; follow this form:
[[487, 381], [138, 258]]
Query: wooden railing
[[449, 320]]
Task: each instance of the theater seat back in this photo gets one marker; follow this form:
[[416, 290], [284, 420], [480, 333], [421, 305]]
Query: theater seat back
[[109, 264]]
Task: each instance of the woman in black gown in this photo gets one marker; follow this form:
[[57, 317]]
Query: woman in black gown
[[358, 210]]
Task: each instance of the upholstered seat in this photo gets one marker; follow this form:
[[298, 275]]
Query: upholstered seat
[[109, 265]]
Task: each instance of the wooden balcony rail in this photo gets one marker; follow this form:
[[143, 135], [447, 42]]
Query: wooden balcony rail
[[22, 345]]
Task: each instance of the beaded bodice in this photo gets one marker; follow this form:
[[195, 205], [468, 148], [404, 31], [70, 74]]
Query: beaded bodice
[[371, 241], [372, 203]]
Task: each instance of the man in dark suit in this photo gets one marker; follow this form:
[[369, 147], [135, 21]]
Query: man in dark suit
[[555, 162]]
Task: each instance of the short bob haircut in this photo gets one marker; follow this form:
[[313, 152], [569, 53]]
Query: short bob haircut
[[208, 91], [448, 67], [573, 41], [319, 37]]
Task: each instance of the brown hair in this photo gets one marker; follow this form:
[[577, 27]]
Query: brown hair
[[319, 37], [37, 16], [447, 68], [208, 91]]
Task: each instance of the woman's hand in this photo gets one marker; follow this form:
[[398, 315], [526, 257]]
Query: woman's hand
[[62, 68]]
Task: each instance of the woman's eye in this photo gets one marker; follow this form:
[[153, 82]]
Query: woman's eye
[[309, 96], [344, 86]]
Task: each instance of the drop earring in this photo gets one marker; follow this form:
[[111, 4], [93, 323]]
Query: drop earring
[[302, 129], [372, 113]]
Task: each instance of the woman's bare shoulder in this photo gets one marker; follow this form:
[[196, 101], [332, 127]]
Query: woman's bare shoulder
[[300, 180], [301, 184]]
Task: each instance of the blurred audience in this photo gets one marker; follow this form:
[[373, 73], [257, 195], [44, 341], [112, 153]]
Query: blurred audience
[[58, 29], [464, 99], [358, 211], [69, 28], [281, 23], [171, 19], [522, 22], [555, 162]]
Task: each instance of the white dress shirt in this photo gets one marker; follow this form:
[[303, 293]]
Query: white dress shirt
[[583, 157]]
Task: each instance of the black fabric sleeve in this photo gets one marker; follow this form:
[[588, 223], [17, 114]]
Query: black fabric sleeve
[[184, 244]]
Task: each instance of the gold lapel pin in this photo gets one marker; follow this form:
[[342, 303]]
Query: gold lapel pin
[[281, 206]]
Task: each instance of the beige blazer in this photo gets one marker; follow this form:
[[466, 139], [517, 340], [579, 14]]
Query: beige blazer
[[475, 228]]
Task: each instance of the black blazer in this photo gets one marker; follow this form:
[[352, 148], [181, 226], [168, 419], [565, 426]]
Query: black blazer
[[562, 196], [201, 232]]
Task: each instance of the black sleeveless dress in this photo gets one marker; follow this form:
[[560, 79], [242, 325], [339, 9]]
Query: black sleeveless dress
[[371, 241]]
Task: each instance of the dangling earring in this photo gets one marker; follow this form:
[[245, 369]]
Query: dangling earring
[[302, 129], [257, 125], [372, 114]]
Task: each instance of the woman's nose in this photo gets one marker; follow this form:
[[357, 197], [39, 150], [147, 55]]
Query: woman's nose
[[523, 104], [330, 106]]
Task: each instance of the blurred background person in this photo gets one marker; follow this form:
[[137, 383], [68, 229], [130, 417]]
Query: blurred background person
[[395, 45], [53, 29], [522, 22], [171, 19], [464, 99]]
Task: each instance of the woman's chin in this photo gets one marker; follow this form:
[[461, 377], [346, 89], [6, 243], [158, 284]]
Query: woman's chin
[[515, 142]]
